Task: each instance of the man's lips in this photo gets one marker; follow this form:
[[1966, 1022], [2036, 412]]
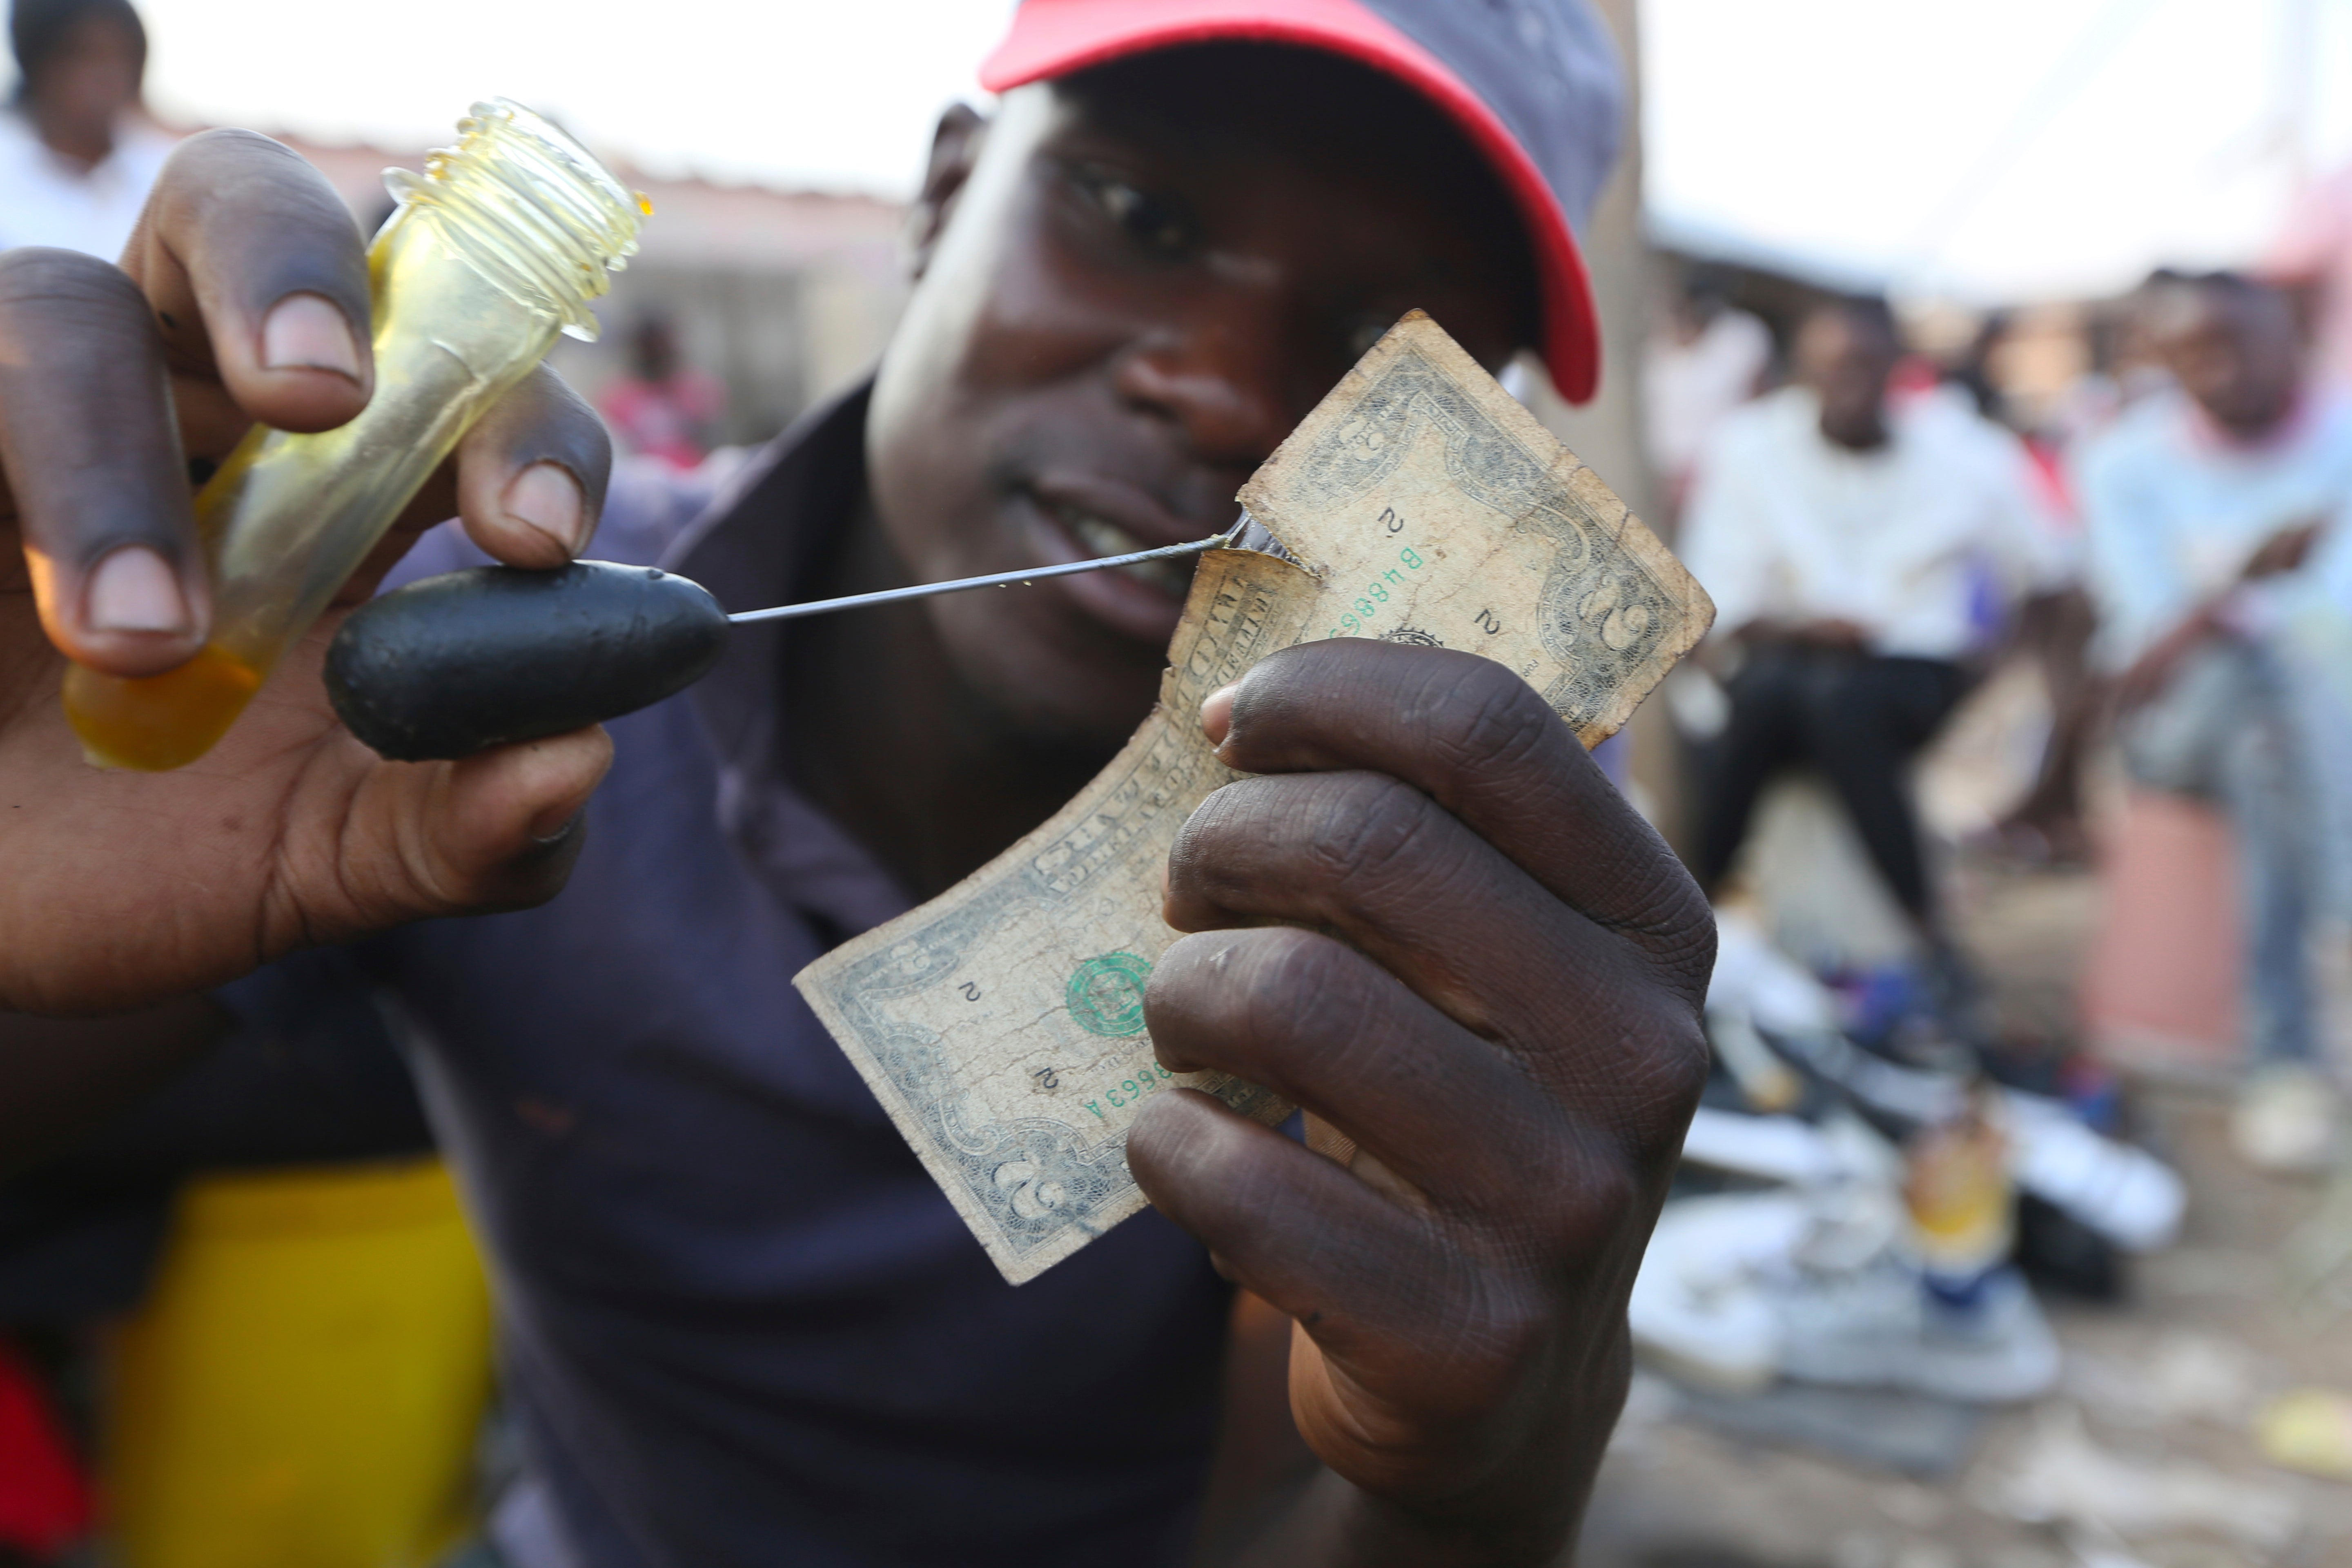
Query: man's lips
[[1107, 519]]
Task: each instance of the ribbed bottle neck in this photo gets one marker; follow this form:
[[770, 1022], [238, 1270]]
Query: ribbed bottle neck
[[529, 208]]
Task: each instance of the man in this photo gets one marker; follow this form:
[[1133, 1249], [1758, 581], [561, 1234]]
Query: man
[[741, 1325], [1849, 554], [77, 156], [2210, 510]]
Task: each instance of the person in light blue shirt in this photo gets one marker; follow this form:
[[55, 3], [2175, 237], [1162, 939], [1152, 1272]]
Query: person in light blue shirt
[[2216, 517]]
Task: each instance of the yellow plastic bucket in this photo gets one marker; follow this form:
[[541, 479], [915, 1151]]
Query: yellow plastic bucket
[[303, 1387]]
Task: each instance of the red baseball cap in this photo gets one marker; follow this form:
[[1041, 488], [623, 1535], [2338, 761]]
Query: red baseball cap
[[1534, 85]]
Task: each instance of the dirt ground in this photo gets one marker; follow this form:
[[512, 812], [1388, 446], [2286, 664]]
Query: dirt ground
[[2145, 1455]]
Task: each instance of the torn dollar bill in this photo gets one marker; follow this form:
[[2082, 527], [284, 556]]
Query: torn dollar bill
[[1002, 1025]]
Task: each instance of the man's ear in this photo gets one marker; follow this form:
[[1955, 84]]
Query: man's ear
[[955, 148]]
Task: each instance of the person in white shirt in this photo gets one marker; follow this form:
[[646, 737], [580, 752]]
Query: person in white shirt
[[76, 153], [1857, 559], [2214, 511]]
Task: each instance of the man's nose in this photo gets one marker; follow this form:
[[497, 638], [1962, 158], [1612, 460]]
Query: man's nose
[[1219, 382]]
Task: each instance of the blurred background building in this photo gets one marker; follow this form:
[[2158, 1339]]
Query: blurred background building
[[781, 295]]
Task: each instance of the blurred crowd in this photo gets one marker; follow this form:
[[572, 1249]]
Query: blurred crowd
[[1879, 534], [2160, 548]]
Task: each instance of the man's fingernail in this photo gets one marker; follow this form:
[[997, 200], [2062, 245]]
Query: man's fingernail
[[1217, 712], [546, 497], [306, 332], [554, 825], [135, 589]]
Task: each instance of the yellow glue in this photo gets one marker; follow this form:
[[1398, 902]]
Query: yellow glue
[[496, 249]]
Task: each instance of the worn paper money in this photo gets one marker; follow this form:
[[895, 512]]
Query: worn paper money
[[1001, 1024]]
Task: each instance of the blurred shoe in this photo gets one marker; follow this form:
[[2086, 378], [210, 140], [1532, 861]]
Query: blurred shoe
[[1737, 1289], [1884, 1326], [1778, 1149], [2288, 1120], [1699, 1312], [2124, 1194], [1765, 1083], [1756, 980]]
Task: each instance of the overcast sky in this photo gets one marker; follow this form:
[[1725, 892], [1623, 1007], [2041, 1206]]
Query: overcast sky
[[1993, 147], [1987, 148]]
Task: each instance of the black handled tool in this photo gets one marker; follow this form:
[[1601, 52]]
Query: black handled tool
[[455, 664]]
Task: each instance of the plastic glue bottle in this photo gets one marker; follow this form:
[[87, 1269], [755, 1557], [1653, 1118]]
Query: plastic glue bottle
[[490, 253]]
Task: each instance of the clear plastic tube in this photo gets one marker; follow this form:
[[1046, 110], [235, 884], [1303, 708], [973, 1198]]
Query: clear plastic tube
[[493, 252]]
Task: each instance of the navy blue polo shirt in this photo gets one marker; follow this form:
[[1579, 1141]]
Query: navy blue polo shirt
[[741, 1324]]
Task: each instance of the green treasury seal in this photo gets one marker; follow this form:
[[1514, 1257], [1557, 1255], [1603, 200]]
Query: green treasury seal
[[1105, 994]]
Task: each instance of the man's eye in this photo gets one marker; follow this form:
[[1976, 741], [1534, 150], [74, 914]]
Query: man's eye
[[1157, 225]]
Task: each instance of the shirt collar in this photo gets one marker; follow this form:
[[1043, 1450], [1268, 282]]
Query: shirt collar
[[752, 547], [755, 545]]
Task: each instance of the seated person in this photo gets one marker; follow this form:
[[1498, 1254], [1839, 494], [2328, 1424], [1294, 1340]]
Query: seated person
[[741, 1324], [2208, 508], [1849, 553]]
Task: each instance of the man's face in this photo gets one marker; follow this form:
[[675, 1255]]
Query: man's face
[[93, 78], [1133, 297], [2234, 351], [1845, 362]]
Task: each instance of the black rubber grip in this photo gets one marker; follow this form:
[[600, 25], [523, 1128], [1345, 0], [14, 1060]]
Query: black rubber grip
[[457, 664]]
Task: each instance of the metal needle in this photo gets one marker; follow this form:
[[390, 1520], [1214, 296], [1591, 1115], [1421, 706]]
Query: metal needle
[[1002, 579]]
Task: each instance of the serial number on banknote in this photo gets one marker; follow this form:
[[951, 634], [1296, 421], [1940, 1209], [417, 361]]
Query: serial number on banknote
[[1367, 605], [1149, 1076]]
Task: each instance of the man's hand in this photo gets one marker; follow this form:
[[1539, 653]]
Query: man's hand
[[1488, 974], [242, 297], [2285, 550], [2151, 672]]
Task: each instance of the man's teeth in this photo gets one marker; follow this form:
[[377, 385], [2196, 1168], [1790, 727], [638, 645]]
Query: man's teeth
[[1102, 538], [1107, 538]]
